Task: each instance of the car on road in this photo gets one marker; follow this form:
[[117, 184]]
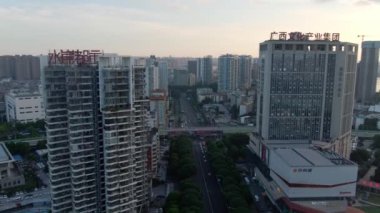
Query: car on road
[[257, 199], [28, 196], [16, 198]]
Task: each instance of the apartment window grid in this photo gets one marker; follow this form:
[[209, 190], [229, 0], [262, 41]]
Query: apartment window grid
[[331, 63], [296, 95]]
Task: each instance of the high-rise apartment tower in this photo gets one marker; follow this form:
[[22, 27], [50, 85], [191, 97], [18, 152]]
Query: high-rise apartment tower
[[228, 66], [204, 70], [368, 70], [245, 72], [96, 122]]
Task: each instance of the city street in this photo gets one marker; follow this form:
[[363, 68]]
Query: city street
[[254, 186], [189, 113], [212, 196], [213, 200], [41, 195]]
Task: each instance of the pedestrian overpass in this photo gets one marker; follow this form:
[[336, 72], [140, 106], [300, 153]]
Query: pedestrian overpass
[[245, 129], [208, 129]]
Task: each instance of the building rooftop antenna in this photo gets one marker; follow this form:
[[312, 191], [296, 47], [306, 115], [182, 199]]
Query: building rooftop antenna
[[362, 36]]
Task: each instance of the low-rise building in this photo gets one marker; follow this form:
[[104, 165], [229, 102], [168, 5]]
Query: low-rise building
[[180, 78], [203, 93], [192, 79], [159, 106], [303, 177], [359, 119], [24, 106], [245, 108], [10, 175]]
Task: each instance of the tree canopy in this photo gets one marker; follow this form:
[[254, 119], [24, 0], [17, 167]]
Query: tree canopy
[[181, 161], [376, 142], [222, 154], [369, 124], [360, 156]]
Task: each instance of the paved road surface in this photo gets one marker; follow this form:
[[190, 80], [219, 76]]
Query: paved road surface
[[42, 195], [212, 196], [213, 200], [255, 188]]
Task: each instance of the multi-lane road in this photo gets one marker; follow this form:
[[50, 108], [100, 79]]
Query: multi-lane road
[[213, 201], [212, 197]]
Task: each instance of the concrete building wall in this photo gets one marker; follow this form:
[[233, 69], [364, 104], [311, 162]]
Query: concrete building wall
[[228, 67], [26, 107], [163, 70], [192, 67], [306, 91], [368, 70], [159, 106], [97, 136], [313, 181], [181, 78], [20, 67], [245, 72], [126, 144], [204, 70]]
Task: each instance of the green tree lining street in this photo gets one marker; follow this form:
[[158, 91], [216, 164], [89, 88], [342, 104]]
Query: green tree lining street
[[181, 161], [22, 130], [222, 155], [182, 168]]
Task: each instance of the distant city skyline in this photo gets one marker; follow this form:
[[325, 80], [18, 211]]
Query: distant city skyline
[[176, 28]]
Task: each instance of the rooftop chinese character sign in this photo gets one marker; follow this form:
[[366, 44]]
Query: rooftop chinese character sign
[[298, 36], [79, 57]]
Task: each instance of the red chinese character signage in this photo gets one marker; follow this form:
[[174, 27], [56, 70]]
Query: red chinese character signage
[[298, 36], [79, 57]]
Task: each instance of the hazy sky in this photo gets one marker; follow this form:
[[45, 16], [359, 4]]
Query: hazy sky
[[175, 27]]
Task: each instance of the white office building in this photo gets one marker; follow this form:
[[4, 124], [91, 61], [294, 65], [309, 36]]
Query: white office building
[[23, 105], [306, 92]]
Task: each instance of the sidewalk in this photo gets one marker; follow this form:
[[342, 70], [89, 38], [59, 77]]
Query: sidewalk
[[370, 173]]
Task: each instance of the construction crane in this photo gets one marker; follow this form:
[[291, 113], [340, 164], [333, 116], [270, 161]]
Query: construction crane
[[362, 36]]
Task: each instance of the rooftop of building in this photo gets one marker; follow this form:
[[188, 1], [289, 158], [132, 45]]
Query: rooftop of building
[[308, 41], [158, 97], [41, 152], [23, 93], [300, 157], [17, 157], [371, 44]]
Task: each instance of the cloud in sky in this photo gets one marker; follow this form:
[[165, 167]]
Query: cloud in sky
[[172, 27]]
